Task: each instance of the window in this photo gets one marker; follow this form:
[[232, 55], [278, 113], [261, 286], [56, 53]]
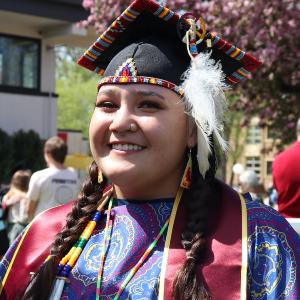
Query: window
[[269, 167], [19, 62], [254, 135], [253, 163]]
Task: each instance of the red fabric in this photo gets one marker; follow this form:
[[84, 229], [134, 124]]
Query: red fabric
[[222, 267], [34, 249], [286, 179], [63, 136]]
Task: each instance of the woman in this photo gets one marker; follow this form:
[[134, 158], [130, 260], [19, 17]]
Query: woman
[[163, 227], [15, 202]]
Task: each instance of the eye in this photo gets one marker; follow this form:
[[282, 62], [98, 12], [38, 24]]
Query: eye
[[107, 106], [150, 105]]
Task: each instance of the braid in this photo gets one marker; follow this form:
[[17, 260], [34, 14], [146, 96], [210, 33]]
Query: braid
[[87, 202], [186, 285]]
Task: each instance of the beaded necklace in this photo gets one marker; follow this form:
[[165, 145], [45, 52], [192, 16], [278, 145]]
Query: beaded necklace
[[67, 262], [135, 268]]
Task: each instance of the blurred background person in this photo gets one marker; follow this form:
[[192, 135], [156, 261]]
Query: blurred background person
[[15, 202], [272, 196], [286, 179], [3, 233], [54, 185], [250, 184]]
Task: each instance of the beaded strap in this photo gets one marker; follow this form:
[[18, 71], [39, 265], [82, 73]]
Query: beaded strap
[[68, 261]]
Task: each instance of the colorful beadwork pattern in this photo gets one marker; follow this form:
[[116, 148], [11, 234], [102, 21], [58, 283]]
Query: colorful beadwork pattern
[[127, 73], [128, 68], [91, 57], [67, 263], [142, 79]]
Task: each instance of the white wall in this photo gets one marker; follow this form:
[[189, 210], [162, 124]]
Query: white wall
[[76, 144], [28, 112], [47, 68]]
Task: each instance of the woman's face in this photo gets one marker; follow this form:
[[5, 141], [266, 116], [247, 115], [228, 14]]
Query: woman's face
[[138, 136]]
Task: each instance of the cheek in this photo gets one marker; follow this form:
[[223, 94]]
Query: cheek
[[177, 130], [98, 126], [94, 125], [170, 134]]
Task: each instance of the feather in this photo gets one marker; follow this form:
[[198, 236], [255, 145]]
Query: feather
[[204, 85]]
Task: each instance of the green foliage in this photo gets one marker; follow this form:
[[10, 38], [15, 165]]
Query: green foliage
[[77, 89], [27, 150], [22, 150]]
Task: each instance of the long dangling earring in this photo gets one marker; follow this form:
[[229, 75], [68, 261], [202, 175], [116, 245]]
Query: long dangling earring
[[187, 175], [100, 177]]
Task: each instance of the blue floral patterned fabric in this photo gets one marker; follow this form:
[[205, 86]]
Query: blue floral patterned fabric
[[134, 227], [8, 256], [273, 254]]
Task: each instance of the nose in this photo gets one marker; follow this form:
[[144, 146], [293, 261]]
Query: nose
[[123, 121]]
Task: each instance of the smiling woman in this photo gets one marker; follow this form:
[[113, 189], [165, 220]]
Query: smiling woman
[[152, 221], [129, 128]]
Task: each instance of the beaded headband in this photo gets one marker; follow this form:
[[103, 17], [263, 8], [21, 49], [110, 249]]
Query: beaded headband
[[127, 73]]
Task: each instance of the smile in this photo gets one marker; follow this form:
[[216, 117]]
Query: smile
[[126, 147]]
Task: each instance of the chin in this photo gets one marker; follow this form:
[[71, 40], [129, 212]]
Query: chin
[[123, 174]]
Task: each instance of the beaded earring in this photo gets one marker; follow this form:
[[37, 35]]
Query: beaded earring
[[187, 175], [100, 177]]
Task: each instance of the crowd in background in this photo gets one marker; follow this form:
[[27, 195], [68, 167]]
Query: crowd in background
[[29, 194]]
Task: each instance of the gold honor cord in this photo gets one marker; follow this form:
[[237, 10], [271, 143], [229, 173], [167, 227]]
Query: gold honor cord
[[167, 244], [244, 266]]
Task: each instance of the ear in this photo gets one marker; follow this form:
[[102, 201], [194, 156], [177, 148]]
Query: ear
[[192, 133]]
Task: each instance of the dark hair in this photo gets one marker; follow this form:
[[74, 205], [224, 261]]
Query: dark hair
[[20, 180], [40, 286], [186, 285], [56, 148]]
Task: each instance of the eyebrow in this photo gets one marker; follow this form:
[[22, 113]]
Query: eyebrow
[[106, 92], [149, 93], [140, 93]]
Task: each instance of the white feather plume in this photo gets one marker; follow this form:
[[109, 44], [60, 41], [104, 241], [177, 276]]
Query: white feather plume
[[204, 85]]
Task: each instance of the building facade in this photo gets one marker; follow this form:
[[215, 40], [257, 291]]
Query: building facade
[[257, 151], [29, 32]]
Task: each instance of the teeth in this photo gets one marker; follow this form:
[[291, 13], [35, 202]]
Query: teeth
[[126, 147]]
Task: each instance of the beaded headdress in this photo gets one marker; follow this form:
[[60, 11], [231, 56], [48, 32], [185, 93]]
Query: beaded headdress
[[150, 44]]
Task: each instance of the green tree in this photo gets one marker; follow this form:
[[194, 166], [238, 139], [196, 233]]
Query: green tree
[[6, 156], [27, 151], [22, 150], [77, 90]]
